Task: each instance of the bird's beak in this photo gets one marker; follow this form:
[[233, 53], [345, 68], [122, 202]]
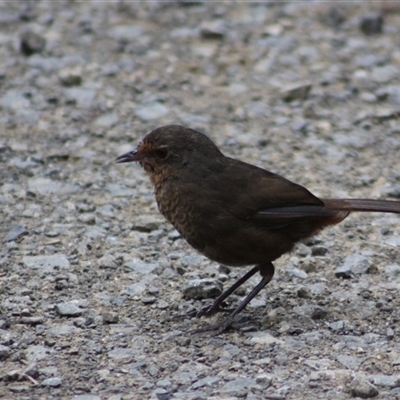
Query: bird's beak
[[130, 157]]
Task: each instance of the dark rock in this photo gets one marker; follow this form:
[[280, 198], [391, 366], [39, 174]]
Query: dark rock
[[110, 318], [335, 17], [148, 300], [31, 42], [32, 320], [71, 76], [360, 387], [213, 30], [319, 250], [372, 24], [298, 91], [202, 289]]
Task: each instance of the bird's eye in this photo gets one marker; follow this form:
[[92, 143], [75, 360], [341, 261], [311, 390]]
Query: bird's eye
[[162, 153]]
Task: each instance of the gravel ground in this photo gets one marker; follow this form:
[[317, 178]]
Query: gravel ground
[[95, 284]]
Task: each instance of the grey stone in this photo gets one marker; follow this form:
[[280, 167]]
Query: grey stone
[[161, 394], [385, 73], [202, 289], [184, 32], [368, 60], [4, 352], [303, 293], [191, 260], [38, 352], [32, 370], [107, 120], [350, 362], [32, 320], [298, 273], [52, 382], [164, 383], [264, 380], [95, 232], [148, 300], [107, 261], [151, 111], [318, 364], [60, 330], [71, 76], [19, 388], [394, 241], [239, 386], [125, 32], [107, 211], [87, 218], [110, 318], [358, 263], [390, 333], [15, 100], [139, 266], [69, 309], [138, 288], [393, 270], [337, 325], [110, 70], [300, 125], [391, 93], [120, 191], [81, 96], [368, 97], [391, 381], [123, 354], [47, 263], [344, 272], [264, 338], [15, 233], [146, 223], [208, 381], [354, 264], [44, 186]]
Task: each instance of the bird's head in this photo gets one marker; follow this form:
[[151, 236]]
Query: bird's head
[[169, 149]]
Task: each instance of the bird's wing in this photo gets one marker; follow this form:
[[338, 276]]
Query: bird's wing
[[268, 198]]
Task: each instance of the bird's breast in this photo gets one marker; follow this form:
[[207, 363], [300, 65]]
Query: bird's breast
[[174, 206]]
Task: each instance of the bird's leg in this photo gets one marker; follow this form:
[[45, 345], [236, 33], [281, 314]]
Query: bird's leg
[[267, 272], [216, 306]]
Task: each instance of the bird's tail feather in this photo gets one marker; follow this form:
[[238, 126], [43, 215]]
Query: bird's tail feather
[[389, 206]]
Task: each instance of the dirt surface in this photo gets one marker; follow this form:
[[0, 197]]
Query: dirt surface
[[92, 277]]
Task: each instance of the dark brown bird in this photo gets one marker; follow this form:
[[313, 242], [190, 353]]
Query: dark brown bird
[[233, 212]]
